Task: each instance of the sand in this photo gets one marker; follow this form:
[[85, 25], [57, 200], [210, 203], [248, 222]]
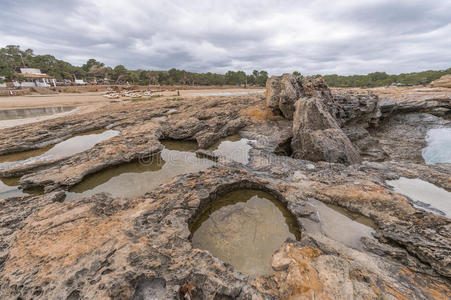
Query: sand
[[79, 99]]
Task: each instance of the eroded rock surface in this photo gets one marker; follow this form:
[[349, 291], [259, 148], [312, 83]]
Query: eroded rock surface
[[317, 136], [102, 247]]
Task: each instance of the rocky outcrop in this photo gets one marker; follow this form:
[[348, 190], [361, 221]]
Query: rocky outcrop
[[444, 81], [205, 123], [318, 117], [102, 247], [317, 136], [282, 93]]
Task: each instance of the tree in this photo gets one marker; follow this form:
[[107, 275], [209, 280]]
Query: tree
[[90, 63], [119, 73]]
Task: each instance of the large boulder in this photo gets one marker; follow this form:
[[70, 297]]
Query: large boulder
[[282, 93], [322, 120], [317, 135]]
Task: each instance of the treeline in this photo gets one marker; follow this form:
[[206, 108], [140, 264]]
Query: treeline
[[12, 58], [384, 79]]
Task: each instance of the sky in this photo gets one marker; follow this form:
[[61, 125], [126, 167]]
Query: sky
[[312, 37]]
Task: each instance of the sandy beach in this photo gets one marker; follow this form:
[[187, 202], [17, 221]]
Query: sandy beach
[[87, 98]]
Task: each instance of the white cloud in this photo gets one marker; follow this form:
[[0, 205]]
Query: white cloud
[[344, 37]]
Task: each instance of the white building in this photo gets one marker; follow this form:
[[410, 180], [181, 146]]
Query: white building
[[34, 77]]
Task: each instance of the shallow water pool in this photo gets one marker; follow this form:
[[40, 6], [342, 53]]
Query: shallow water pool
[[244, 228], [139, 177], [424, 195], [438, 149], [340, 224], [69, 147], [234, 148], [23, 113]]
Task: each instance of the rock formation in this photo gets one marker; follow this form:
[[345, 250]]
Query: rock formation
[[100, 247], [318, 117], [317, 136], [444, 81]]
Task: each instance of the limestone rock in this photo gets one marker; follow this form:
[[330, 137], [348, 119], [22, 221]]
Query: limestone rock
[[317, 136], [444, 81], [283, 92]]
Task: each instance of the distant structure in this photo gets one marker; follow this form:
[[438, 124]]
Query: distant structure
[[2, 83], [79, 81], [34, 77]]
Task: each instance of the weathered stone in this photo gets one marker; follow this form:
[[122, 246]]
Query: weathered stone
[[317, 136], [105, 247]]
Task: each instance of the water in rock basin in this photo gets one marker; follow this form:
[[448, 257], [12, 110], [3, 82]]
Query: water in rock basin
[[340, 224], [71, 146], [22, 113], [424, 195], [136, 178], [438, 148], [234, 148], [9, 187], [244, 228]]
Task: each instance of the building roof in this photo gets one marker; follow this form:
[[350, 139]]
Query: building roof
[[28, 75], [30, 71]]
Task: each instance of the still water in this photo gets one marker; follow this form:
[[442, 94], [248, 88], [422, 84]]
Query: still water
[[234, 148], [438, 148], [424, 195], [340, 224], [136, 178], [9, 187], [23, 113], [244, 228], [69, 147]]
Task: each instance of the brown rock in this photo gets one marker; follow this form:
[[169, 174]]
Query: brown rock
[[444, 81], [282, 94], [317, 136]]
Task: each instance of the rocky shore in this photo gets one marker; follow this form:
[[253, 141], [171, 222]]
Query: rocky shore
[[309, 144]]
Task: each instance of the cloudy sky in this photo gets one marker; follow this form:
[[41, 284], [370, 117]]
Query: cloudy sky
[[315, 36]]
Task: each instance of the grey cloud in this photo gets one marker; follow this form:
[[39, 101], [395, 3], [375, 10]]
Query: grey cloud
[[344, 37]]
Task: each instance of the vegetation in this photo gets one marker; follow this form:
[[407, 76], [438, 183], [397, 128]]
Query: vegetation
[[384, 79], [12, 58]]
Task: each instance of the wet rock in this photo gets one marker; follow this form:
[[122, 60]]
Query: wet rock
[[134, 143]]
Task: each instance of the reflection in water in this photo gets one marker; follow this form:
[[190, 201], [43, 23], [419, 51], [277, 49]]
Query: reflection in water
[[438, 148], [137, 178], [71, 146], [9, 187], [340, 224], [22, 113], [18, 156], [234, 147], [424, 195], [244, 228]]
